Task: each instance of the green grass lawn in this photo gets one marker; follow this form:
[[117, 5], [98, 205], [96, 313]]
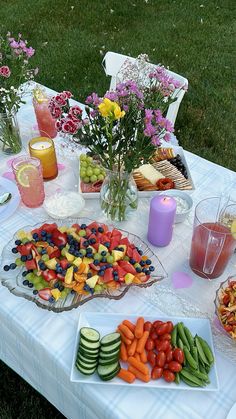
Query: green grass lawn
[[194, 38]]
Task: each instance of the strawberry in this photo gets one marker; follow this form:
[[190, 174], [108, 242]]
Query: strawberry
[[49, 274], [45, 293]]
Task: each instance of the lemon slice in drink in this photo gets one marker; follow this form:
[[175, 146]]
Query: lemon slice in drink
[[24, 173], [233, 229]]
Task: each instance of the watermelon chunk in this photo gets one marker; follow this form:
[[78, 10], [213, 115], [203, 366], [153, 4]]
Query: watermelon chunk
[[136, 256], [125, 241], [30, 264], [128, 268], [129, 252], [108, 276], [116, 233], [114, 243]]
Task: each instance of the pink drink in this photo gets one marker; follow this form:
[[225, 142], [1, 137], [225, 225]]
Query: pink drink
[[28, 175], [46, 123]]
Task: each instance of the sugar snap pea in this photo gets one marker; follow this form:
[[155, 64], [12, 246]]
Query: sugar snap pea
[[177, 378], [188, 382], [174, 337], [191, 377], [180, 343], [181, 333], [194, 354], [207, 350], [202, 368], [189, 337], [201, 353], [191, 361], [203, 376]]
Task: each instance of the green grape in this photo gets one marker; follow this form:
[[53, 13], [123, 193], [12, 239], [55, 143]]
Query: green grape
[[93, 178], [89, 159], [82, 233], [82, 157], [96, 171], [45, 258], [63, 251], [38, 286], [19, 262], [89, 172], [110, 259], [85, 179], [25, 240], [82, 173], [100, 177], [83, 164], [30, 276], [39, 249], [97, 256], [83, 252]]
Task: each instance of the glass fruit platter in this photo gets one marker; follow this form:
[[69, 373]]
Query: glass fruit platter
[[60, 267]]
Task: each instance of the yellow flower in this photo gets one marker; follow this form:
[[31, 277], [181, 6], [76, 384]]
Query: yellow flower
[[110, 109]]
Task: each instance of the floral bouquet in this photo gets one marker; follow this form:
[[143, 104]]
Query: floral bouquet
[[123, 129], [14, 70]]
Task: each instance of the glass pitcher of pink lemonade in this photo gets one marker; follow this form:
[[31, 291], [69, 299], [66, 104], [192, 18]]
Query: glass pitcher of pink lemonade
[[213, 243]]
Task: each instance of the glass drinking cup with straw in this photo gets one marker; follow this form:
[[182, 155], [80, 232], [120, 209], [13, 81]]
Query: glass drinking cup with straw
[[213, 242]]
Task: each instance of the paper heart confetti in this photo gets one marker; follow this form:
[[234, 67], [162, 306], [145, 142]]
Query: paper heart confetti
[[181, 280]]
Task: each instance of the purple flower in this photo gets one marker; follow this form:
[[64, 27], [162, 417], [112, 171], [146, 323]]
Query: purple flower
[[93, 99], [148, 115], [14, 44], [169, 126], [167, 136], [112, 96], [156, 140], [30, 51], [149, 130]]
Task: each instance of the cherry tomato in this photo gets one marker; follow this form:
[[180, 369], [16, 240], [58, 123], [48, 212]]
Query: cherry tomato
[[228, 328], [157, 344], [147, 326], [226, 299], [157, 323], [166, 336], [161, 359], [168, 376], [151, 357], [170, 327], [166, 366], [175, 366], [149, 344], [156, 373], [164, 345], [162, 329], [178, 355], [153, 335], [169, 355]]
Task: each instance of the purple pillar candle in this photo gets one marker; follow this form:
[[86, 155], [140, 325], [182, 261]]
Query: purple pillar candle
[[161, 220]]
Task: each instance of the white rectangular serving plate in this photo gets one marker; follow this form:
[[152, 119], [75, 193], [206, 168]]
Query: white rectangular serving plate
[[107, 323], [147, 194]]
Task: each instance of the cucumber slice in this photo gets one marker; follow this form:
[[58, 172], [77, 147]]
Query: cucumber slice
[[86, 359], [91, 346], [89, 334], [111, 348], [87, 354], [107, 370], [85, 371], [108, 361], [104, 355], [85, 365], [111, 376], [110, 339]]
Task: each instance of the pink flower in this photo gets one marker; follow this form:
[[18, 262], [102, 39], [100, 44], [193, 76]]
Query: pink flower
[[156, 140], [58, 125], [169, 126], [22, 44], [167, 136], [67, 94], [69, 127], [29, 51], [14, 44], [55, 110], [60, 100], [5, 71], [75, 111]]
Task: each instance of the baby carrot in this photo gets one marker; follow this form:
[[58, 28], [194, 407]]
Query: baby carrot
[[137, 356], [130, 325], [123, 352], [139, 375], [138, 364], [124, 338], [143, 357], [125, 375], [132, 348], [126, 331], [139, 328], [142, 342]]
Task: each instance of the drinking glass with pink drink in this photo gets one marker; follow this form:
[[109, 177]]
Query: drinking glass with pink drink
[[213, 242], [28, 175]]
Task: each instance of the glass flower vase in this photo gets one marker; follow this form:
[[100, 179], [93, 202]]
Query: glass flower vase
[[118, 195], [10, 141]]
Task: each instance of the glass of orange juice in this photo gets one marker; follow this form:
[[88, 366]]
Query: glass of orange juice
[[28, 175]]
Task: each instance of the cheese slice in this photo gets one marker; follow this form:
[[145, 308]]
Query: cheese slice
[[151, 174]]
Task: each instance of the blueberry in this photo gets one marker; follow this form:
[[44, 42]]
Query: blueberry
[[59, 270], [101, 272], [77, 253], [72, 291], [30, 285], [151, 268], [83, 226], [148, 262], [29, 257], [14, 250], [103, 253], [24, 273], [35, 236], [147, 272], [61, 246], [144, 270], [63, 272], [107, 244], [26, 282], [61, 288], [103, 260], [100, 230], [94, 230], [110, 265], [49, 235], [132, 261], [35, 292], [86, 243], [93, 241], [43, 233], [43, 267], [86, 287], [80, 255], [138, 270], [12, 266], [58, 265], [142, 263], [56, 285], [51, 300], [115, 273], [6, 268], [68, 265], [140, 252], [75, 269], [18, 242], [121, 249], [89, 275], [44, 251], [96, 262]]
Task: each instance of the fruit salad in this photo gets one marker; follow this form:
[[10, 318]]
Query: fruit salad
[[82, 259]]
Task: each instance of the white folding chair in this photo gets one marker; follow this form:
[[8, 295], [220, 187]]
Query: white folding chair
[[112, 62]]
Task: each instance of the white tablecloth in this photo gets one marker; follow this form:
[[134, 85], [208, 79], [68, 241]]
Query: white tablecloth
[[39, 345]]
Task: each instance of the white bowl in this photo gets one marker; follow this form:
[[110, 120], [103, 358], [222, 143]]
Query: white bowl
[[180, 217], [56, 205]]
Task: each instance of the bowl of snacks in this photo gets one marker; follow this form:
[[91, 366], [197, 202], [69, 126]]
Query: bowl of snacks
[[184, 203], [225, 306]]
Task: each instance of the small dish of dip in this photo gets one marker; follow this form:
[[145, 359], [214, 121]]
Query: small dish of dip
[[64, 204], [184, 203]]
